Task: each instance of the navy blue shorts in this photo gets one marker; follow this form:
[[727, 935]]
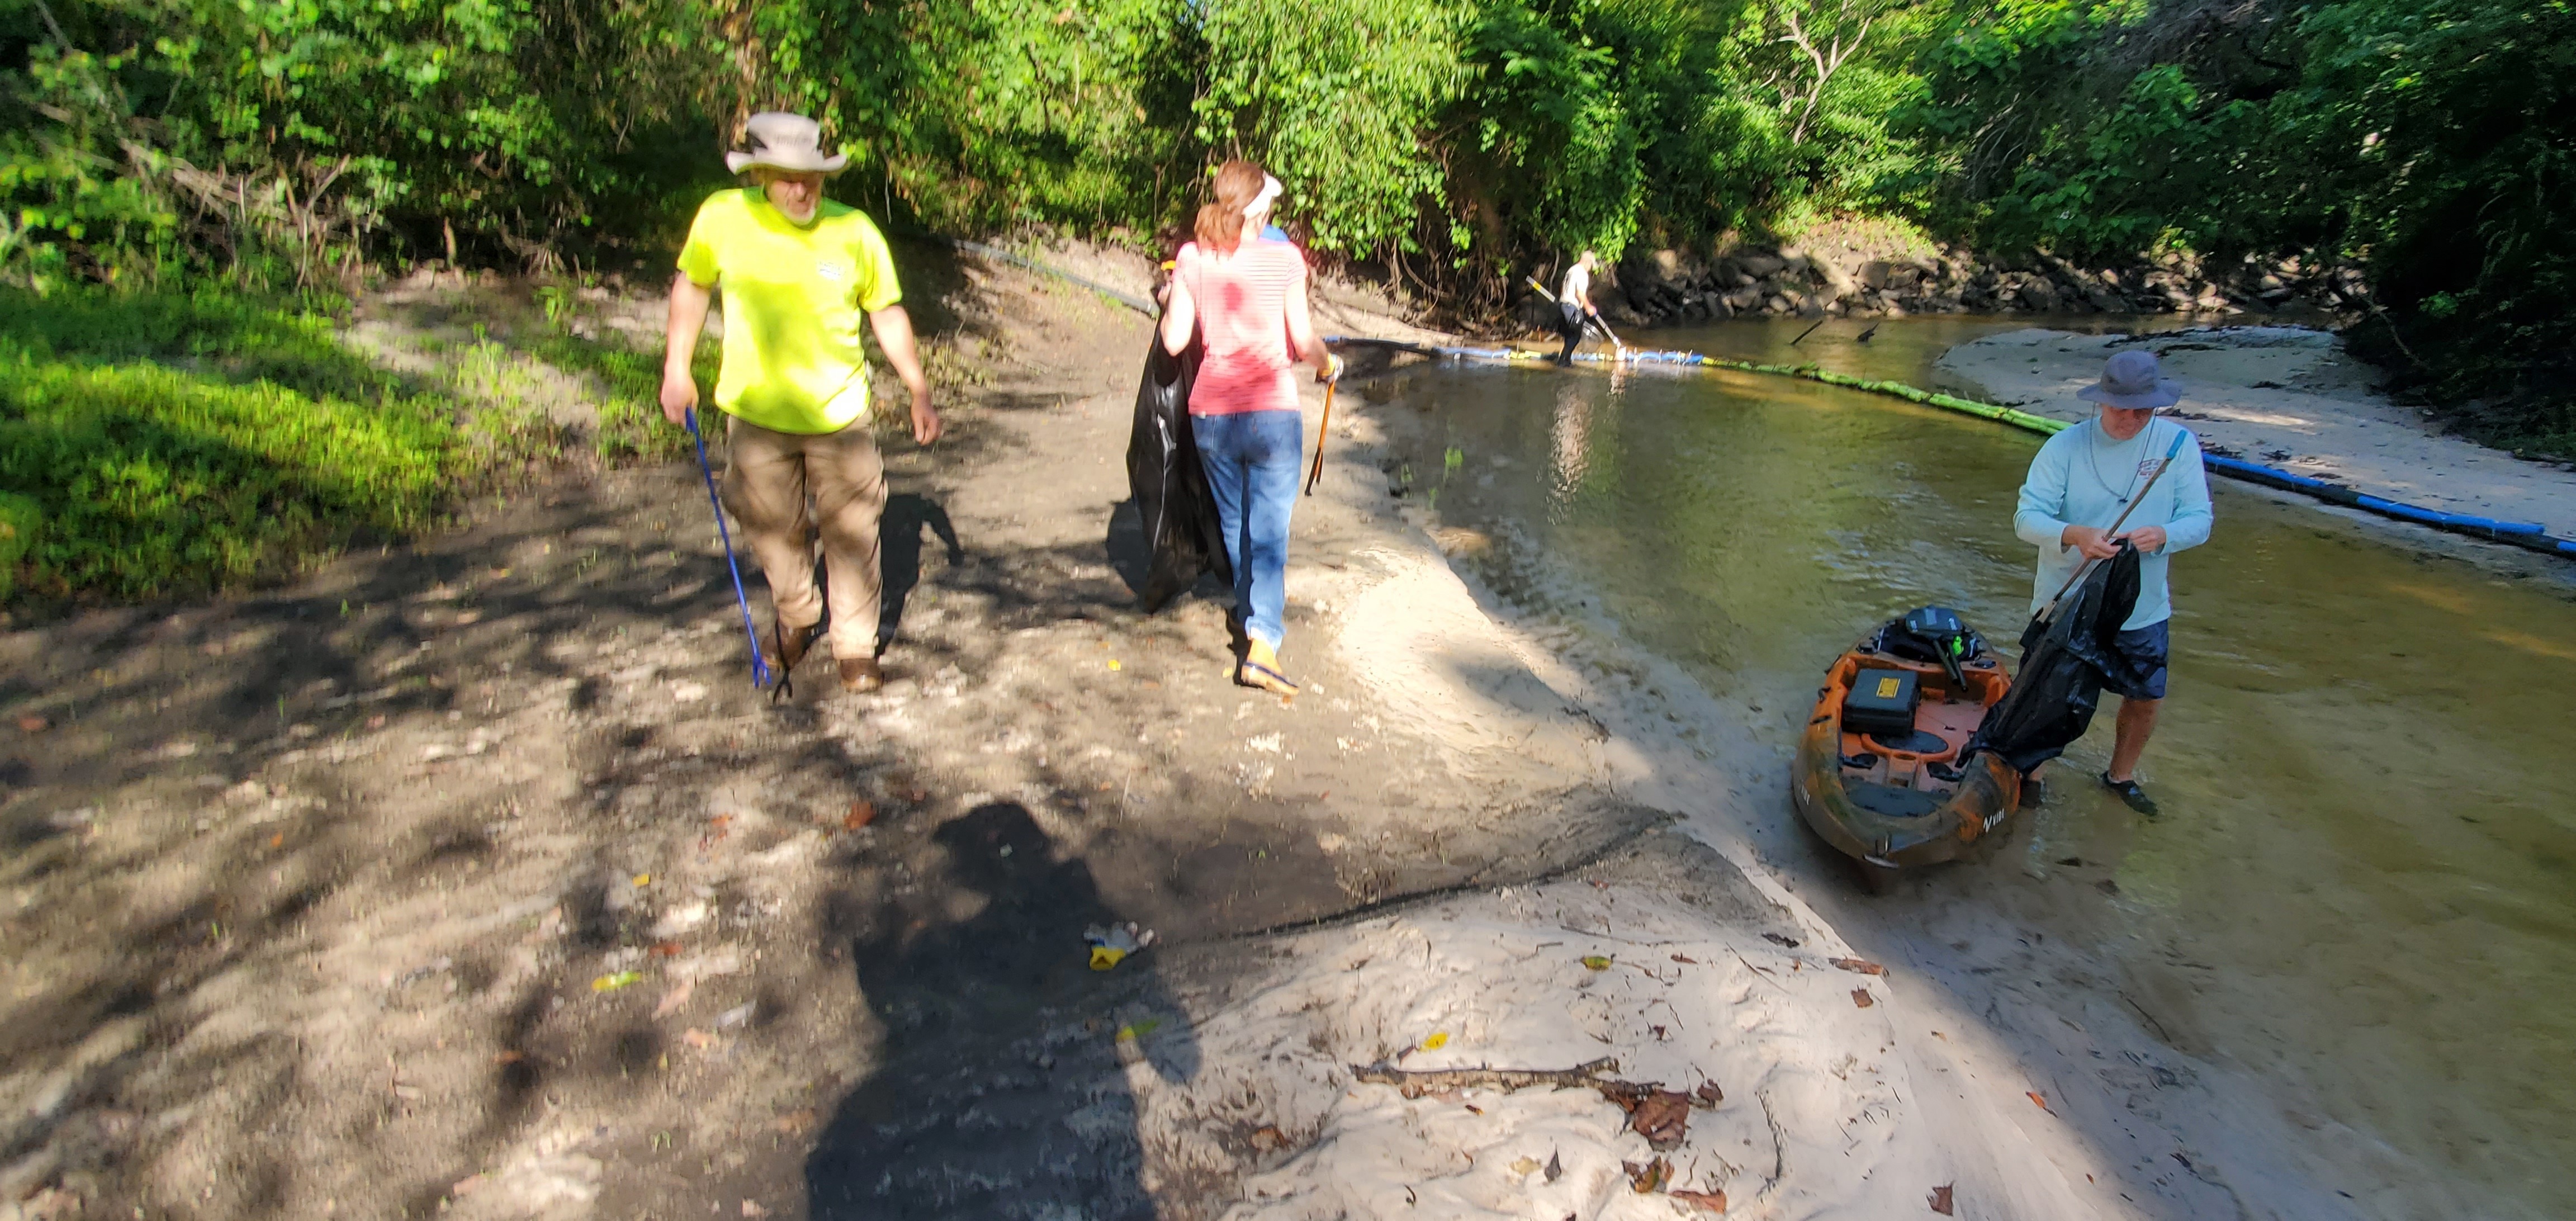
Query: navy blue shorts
[[2144, 649]]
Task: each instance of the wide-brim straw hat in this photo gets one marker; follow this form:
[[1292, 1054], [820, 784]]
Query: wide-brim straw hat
[[2131, 381], [790, 142]]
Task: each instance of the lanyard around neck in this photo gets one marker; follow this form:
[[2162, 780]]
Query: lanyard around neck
[[2093, 460]]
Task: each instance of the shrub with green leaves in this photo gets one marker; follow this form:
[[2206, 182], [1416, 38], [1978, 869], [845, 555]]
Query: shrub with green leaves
[[154, 444], [144, 479], [2431, 143]]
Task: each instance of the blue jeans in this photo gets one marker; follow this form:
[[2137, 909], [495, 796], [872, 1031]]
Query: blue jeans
[[1253, 459]]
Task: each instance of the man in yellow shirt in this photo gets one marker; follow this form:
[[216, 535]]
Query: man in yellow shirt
[[797, 271]]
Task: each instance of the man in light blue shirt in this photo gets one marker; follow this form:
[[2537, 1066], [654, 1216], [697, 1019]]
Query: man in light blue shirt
[[2080, 483]]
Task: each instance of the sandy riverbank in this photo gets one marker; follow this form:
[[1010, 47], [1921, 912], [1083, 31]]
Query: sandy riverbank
[[471, 878], [2288, 397]]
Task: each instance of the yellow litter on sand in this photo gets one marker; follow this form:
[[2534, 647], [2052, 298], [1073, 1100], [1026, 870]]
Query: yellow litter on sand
[[1438, 1040], [1111, 944], [611, 983]]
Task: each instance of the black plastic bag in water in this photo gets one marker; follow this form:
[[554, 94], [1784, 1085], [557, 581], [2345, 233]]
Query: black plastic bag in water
[[1168, 484], [2064, 664]]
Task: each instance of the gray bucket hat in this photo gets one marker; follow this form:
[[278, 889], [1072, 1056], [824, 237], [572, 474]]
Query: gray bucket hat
[[782, 141], [2130, 381]]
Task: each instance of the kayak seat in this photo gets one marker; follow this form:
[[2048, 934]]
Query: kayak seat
[[1892, 801]]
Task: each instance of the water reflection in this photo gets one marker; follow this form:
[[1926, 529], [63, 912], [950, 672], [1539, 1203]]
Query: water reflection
[[1570, 448], [2362, 891]]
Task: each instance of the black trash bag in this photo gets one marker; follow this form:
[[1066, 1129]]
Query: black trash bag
[[2065, 663], [1170, 488]]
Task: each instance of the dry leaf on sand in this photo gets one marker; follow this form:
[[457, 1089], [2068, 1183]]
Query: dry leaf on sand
[[1940, 1200], [1662, 1117], [1650, 1177]]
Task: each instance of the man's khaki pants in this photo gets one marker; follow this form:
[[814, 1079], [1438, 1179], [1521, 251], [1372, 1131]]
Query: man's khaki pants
[[767, 480]]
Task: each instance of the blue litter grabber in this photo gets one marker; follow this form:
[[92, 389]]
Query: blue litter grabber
[[759, 665]]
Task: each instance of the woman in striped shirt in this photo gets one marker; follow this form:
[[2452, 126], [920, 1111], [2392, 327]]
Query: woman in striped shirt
[[1247, 297]]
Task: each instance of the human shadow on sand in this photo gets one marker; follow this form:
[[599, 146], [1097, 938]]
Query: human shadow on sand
[[1002, 1087], [907, 515]]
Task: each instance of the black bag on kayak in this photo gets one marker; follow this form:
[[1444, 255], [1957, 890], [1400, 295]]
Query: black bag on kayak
[[1936, 634], [1169, 486], [2064, 664]]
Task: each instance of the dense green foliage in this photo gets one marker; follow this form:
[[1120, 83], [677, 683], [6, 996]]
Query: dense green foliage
[[279, 142], [2429, 143], [154, 443], [161, 443], [284, 142]]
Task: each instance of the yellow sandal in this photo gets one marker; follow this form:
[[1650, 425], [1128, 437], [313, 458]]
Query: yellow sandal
[[1260, 669]]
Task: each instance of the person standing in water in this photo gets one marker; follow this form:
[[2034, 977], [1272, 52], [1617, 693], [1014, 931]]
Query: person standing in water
[[798, 271], [1247, 297], [1574, 304], [2081, 481]]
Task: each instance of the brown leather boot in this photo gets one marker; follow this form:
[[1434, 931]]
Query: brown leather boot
[[785, 646], [860, 675]]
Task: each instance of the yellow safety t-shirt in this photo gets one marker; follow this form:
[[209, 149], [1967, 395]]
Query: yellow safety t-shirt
[[794, 298]]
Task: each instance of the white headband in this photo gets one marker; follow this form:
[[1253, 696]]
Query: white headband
[[1270, 191]]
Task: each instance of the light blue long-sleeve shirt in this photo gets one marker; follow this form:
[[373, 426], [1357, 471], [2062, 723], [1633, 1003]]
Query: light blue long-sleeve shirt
[[2082, 477]]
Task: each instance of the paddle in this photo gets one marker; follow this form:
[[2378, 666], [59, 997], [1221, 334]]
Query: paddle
[[2048, 613]]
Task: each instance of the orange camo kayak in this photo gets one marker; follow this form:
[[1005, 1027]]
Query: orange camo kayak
[[1892, 794]]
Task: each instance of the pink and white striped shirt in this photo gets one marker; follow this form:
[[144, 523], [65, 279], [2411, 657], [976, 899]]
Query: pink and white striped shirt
[[1242, 301]]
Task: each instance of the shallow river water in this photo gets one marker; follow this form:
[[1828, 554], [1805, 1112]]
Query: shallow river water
[[2362, 893]]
